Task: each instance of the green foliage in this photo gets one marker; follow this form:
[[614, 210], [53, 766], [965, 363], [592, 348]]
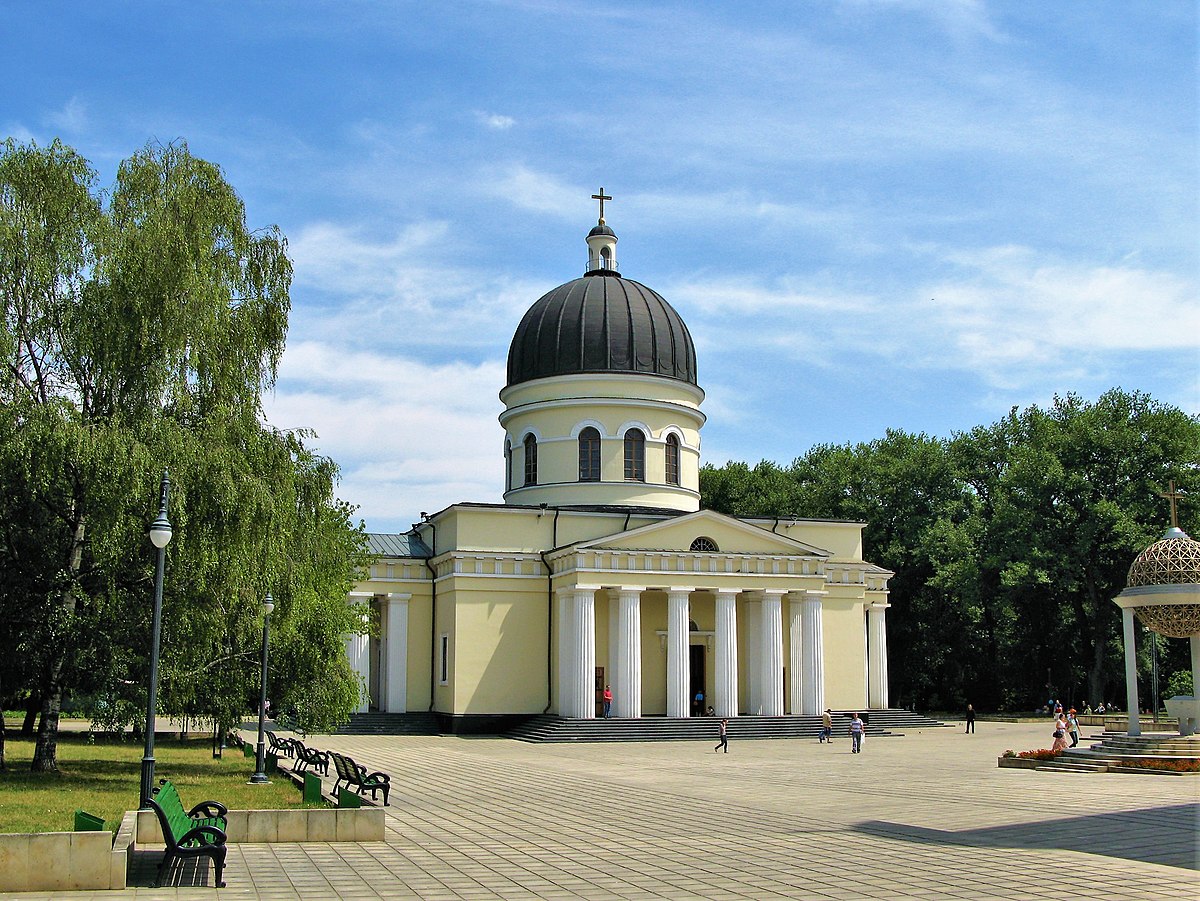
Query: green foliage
[[1009, 541], [1180, 683], [139, 335]]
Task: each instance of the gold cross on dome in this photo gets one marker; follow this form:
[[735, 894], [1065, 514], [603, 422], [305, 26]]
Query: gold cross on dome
[[1173, 496], [601, 197]]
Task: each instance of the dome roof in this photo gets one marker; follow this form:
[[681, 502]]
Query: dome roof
[[1172, 560], [601, 229], [601, 323]]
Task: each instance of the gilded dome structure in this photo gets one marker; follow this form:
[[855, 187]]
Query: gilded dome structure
[[1164, 585], [1172, 560]]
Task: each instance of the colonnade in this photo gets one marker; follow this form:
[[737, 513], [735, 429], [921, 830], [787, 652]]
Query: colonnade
[[764, 677]]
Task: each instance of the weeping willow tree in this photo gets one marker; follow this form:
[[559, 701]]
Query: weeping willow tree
[[141, 327]]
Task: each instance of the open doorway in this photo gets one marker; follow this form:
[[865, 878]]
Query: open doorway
[[697, 680]]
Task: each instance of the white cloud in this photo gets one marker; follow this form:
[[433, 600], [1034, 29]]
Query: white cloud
[[539, 192], [495, 121], [408, 436], [72, 118]]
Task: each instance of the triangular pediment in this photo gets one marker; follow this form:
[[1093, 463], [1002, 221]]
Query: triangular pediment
[[730, 535]]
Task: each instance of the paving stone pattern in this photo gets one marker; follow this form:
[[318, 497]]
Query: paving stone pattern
[[924, 816]]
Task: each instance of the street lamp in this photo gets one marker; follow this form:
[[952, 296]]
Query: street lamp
[[260, 776], [160, 537]]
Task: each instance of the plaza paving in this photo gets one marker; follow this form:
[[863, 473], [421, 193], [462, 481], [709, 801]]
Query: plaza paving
[[927, 815]]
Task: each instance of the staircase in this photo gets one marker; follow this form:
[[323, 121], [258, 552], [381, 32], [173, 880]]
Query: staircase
[[1116, 747], [422, 723], [745, 728]]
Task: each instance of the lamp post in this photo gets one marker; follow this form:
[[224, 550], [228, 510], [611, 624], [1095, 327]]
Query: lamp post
[[260, 776], [160, 537]]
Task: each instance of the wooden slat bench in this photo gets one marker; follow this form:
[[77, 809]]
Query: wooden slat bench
[[355, 776], [199, 832]]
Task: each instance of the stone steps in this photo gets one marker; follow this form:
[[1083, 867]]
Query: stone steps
[[422, 723], [1071, 766], [657, 728]]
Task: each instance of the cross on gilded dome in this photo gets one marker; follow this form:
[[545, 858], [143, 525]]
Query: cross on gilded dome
[[1172, 495], [603, 197]]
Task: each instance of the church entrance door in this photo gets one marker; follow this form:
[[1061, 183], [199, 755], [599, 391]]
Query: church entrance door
[[697, 678]]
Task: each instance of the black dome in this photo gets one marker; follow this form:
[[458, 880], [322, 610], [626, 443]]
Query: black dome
[[601, 323], [601, 230]]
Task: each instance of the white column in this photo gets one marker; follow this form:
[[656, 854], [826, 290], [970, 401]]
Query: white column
[[752, 606], [1195, 643], [583, 609], [1131, 692], [725, 687], [678, 660], [812, 653], [877, 662], [358, 651], [795, 659], [395, 666], [613, 675], [629, 635], [771, 646], [566, 649]]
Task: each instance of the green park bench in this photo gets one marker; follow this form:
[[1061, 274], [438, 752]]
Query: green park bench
[[353, 775], [199, 832]]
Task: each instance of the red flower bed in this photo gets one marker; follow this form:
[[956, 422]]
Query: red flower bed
[[1175, 766], [1041, 754]]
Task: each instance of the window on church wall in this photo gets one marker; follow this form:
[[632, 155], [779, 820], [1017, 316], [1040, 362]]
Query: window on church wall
[[589, 455], [530, 460], [704, 544], [635, 456], [445, 661], [508, 473], [672, 460]]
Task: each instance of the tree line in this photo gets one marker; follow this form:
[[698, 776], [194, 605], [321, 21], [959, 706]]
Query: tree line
[[1008, 541], [141, 326]]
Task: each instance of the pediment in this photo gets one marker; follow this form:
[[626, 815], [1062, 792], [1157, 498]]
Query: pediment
[[731, 536]]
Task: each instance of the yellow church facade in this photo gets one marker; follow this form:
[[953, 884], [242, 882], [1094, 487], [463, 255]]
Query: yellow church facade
[[600, 568]]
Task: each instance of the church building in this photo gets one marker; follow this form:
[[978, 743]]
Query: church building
[[600, 568]]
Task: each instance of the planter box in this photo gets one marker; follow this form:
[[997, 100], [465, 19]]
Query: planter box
[[293, 825], [92, 861], [60, 862], [1019, 763]]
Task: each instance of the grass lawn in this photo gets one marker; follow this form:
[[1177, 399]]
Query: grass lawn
[[104, 779]]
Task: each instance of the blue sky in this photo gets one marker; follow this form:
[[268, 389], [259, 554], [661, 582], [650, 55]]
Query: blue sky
[[872, 214]]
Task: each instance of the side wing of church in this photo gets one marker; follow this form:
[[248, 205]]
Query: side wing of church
[[600, 570]]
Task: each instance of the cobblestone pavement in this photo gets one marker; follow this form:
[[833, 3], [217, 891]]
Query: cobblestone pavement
[[924, 816]]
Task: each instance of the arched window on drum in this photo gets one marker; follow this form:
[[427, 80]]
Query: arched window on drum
[[530, 460], [589, 455], [635, 456], [672, 459]]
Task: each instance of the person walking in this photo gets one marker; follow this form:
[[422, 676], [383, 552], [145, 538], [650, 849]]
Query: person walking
[[970, 718], [607, 701], [724, 743], [827, 726], [857, 728]]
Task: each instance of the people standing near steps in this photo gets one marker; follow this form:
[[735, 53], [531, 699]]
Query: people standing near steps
[[607, 701], [724, 743], [827, 726], [857, 727], [970, 718], [1073, 727], [1060, 735]]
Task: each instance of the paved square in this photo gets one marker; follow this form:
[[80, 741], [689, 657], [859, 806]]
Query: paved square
[[927, 815]]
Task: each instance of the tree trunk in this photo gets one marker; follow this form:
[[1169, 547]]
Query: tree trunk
[[45, 752], [33, 704]]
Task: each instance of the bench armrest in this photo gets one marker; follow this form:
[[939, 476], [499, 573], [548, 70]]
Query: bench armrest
[[209, 809], [377, 777], [206, 835]]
